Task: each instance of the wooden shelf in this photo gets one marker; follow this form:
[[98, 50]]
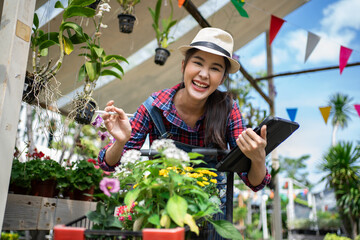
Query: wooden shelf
[[24, 212]]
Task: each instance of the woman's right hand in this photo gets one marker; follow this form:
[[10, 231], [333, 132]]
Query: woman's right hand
[[118, 125]]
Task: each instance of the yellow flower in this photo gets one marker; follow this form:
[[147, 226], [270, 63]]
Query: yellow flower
[[205, 179], [135, 185], [205, 183], [200, 184], [188, 169], [164, 172], [213, 180]]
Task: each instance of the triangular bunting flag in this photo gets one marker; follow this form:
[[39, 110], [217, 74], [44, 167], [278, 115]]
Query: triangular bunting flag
[[292, 113], [357, 108], [312, 41], [325, 112], [239, 5], [344, 57], [180, 3], [275, 25]]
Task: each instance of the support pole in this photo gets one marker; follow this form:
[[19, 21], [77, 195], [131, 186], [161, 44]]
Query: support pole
[[15, 32], [274, 157]]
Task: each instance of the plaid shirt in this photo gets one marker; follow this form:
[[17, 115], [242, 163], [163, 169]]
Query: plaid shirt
[[142, 125]]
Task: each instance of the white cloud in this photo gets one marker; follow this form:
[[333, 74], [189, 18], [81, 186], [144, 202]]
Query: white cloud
[[258, 61]]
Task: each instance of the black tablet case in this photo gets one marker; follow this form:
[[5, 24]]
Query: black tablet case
[[278, 130]]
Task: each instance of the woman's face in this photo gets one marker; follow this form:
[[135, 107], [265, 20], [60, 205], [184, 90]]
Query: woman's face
[[203, 73]]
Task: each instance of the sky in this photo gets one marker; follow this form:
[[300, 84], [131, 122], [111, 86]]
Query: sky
[[337, 22]]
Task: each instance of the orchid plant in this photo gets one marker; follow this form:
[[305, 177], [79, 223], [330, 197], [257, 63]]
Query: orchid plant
[[164, 192]]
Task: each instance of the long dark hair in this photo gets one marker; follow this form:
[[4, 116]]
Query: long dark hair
[[217, 109]]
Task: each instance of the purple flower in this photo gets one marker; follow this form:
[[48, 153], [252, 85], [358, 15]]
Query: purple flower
[[236, 57], [98, 121], [109, 185], [103, 135]]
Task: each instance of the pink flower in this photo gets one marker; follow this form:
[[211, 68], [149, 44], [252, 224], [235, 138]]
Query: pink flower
[[129, 217], [97, 122], [103, 135], [122, 218], [109, 185]]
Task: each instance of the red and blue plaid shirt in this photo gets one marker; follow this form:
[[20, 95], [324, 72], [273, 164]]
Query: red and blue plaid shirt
[[142, 125]]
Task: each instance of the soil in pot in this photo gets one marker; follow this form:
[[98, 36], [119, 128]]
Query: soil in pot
[[84, 114], [126, 23], [161, 55], [31, 89]]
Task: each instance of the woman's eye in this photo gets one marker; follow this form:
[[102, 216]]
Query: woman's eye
[[216, 69], [198, 63]]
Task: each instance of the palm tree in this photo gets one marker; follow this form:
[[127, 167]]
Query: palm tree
[[341, 110], [341, 163]]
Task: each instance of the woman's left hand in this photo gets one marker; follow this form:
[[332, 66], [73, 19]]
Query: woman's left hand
[[253, 145]]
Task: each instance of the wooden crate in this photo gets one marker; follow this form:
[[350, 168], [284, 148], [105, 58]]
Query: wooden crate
[[24, 212]]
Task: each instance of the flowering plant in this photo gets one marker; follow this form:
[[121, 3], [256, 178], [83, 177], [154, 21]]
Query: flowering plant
[[164, 192]]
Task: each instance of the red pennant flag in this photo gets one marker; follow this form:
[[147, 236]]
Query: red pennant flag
[[357, 108], [180, 3], [275, 25], [344, 57]]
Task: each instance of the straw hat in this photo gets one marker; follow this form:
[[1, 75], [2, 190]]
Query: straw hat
[[215, 41]]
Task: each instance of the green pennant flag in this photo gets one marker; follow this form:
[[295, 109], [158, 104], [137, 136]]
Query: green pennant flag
[[239, 5]]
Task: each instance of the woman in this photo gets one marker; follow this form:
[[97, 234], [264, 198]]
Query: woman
[[193, 112]]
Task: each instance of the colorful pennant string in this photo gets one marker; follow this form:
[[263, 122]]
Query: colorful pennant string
[[180, 3], [292, 113], [312, 41], [357, 108], [239, 5], [344, 57], [275, 25], [325, 112]]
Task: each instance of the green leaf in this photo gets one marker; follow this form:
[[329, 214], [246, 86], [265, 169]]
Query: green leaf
[[226, 229], [131, 196], [78, 11], [98, 50], [176, 208], [46, 44], [36, 21], [53, 36], [154, 219], [82, 73], [189, 220], [117, 57], [91, 70], [58, 4], [165, 221], [108, 72], [114, 65], [81, 3], [73, 26]]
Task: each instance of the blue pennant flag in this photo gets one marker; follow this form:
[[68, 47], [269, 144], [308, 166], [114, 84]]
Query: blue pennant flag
[[292, 113]]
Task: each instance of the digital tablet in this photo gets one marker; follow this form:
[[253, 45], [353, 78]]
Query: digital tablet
[[278, 130]]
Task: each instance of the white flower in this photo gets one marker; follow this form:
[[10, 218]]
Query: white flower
[[103, 25], [99, 14], [161, 144], [146, 173], [176, 153], [130, 156], [104, 7]]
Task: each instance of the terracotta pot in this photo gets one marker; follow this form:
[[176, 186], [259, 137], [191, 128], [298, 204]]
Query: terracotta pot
[[161, 55], [126, 23], [43, 188], [85, 114], [79, 194], [163, 234], [18, 190]]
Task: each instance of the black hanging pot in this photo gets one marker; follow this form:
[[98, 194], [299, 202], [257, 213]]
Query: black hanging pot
[[161, 54], [126, 22], [84, 114], [31, 89]]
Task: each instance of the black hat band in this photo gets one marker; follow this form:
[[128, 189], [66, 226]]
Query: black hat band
[[212, 46]]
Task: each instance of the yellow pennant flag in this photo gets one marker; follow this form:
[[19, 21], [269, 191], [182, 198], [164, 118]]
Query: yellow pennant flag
[[325, 112]]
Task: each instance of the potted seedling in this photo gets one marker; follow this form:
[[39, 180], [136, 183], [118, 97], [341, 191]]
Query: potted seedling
[[126, 17], [162, 32]]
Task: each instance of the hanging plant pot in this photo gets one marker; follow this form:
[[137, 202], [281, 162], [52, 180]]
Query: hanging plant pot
[[161, 54], [84, 114], [31, 89], [126, 23], [94, 4]]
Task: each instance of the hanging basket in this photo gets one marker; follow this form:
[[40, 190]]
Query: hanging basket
[[126, 23], [84, 114], [161, 54], [31, 89]]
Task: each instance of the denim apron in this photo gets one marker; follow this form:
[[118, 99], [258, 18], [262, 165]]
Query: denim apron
[[211, 162]]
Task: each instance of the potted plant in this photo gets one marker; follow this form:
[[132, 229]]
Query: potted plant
[[97, 63], [164, 193], [43, 173], [19, 180], [162, 32], [69, 34], [126, 17]]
